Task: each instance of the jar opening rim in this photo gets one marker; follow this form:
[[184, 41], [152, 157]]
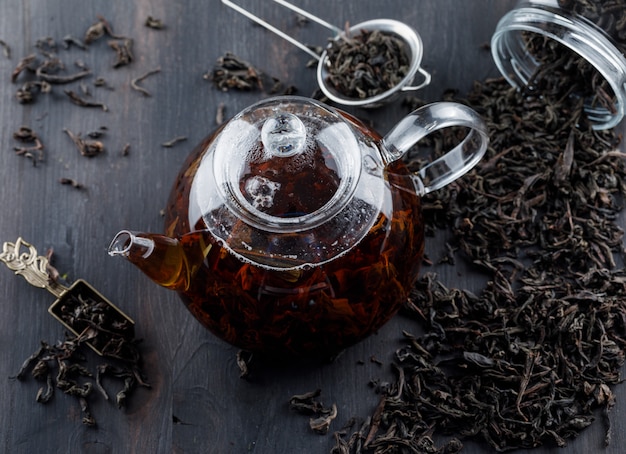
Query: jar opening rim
[[575, 33]]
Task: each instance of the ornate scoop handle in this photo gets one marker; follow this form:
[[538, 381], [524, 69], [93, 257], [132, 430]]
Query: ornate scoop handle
[[22, 258]]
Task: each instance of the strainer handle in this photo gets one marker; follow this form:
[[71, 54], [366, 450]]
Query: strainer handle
[[455, 162], [425, 82], [336, 30]]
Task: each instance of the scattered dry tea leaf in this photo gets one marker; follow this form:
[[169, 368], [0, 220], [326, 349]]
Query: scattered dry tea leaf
[[174, 141], [244, 358], [123, 50], [6, 49], [308, 404], [97, 30], [35, 151], [135, 82], [89, 148], [154, 23], [70, 40], [71, 182], [58, 79], [83, 102], [321, 424], [219, 115], [24, 64]]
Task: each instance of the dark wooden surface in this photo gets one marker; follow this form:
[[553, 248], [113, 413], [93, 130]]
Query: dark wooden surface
[[197, 402]]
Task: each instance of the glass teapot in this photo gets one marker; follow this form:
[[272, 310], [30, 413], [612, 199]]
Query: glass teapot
[[295, 229]]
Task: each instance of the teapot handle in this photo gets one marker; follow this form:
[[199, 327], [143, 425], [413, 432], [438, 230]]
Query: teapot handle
[[427, 119]]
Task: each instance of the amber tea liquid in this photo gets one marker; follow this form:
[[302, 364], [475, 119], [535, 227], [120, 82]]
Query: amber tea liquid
[[314, 311]]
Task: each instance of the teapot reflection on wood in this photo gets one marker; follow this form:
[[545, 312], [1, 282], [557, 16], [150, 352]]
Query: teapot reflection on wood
[[296, 230]]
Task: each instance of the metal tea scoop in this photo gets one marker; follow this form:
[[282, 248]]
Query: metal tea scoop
[[401, 30], [22, 258]]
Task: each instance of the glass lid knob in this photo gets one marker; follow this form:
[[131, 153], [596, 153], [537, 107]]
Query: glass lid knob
[[283, 135]]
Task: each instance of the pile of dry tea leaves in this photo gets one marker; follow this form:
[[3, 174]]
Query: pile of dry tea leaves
[[62, 366], [609, 15], [531, 359], [43, 69], [554, 67], [97, 324], [47, 70], [232, 73]]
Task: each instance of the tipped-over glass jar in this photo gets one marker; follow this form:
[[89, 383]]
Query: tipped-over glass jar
[[536, 37]]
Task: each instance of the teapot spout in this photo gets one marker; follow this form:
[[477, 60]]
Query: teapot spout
[[160, 257]]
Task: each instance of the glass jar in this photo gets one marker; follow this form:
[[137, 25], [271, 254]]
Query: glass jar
[[593, 29]]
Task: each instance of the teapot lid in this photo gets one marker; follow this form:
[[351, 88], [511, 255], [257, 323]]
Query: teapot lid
[[289, 183], [286, 164]]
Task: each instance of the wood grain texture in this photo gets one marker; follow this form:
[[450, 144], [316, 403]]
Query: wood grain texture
[[197, 402]]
